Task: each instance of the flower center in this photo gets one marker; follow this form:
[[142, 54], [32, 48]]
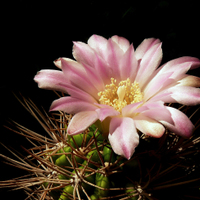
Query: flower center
[[118, 96]]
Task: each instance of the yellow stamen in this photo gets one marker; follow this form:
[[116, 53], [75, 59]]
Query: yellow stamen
[[118, 96]]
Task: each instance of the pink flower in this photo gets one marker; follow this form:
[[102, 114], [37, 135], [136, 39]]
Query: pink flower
[[124, 89]]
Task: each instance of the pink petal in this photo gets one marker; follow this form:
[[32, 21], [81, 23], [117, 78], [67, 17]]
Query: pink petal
[[86, 55], [174, 65], [162, 96], [145, 46], [72, 105], [83, 53], [149, 126], [52, 80], [122, 42], [123, 136], [129, 110], [149, 62], [69, 64], [182, 125], [56, 80], [79, 77], [178, 66], [185, 95], [162, 81], [106, 112], [157, 111], [114, 56], [95, 78], [158, 83], [178, 77], [80, 94], [179, 70], [99, 44], [57, 63], [149, 105], [165, 78], [103, 70], [81, 121], [128, 65]]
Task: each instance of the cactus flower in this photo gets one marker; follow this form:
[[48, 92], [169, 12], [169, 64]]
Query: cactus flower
[[124, 89]]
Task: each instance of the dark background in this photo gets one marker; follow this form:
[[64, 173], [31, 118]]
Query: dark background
[[35, 33]]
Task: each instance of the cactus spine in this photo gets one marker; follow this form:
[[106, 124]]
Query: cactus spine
[[84, 166]]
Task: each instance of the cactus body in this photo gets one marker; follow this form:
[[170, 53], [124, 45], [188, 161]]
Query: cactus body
[[94, 171]]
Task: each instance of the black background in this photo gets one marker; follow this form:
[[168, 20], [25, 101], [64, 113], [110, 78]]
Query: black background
[[35, 33]]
